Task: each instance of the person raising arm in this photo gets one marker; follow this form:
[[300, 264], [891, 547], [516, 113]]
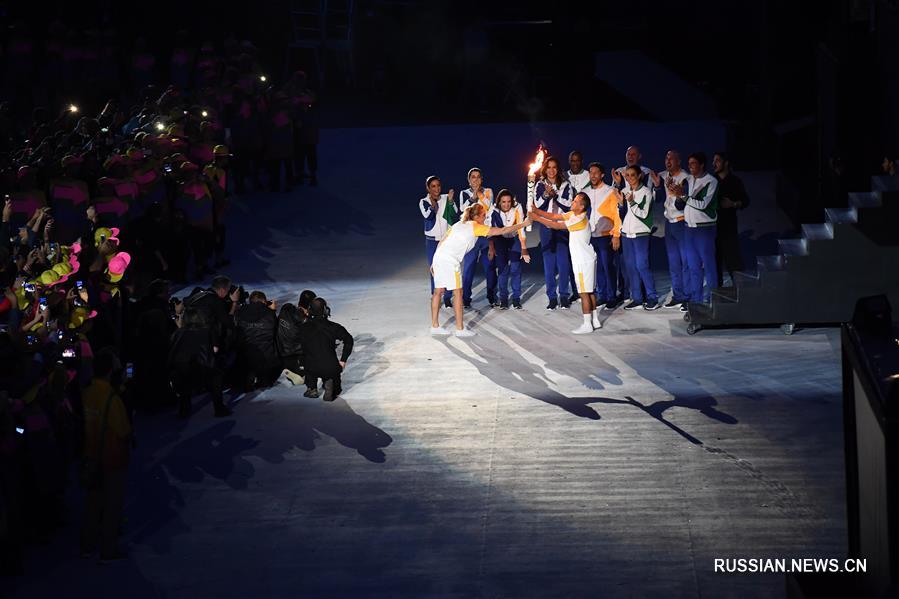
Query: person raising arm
[[447, 264]]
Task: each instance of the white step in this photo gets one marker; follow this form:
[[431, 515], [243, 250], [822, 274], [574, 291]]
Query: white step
[[818, 231]]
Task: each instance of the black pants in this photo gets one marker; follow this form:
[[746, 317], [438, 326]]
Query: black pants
[[188, 380], [274, 173], [727, 250], [295, 364], [246, 165], [260, 370], [201, 242], [326, 376]]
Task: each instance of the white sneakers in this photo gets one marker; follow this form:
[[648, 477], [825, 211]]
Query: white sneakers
[[442, 332], [585, 329], [597, 323]]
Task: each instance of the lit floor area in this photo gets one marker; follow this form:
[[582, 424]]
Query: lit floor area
[[525, 462]]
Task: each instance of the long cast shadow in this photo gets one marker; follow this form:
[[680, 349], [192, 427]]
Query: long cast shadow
[[504, 366]]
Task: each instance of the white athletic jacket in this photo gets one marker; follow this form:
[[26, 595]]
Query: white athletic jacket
[[638, 220], [702, 201], [435, 225]]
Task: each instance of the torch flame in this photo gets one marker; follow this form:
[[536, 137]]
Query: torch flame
[[537, 165]]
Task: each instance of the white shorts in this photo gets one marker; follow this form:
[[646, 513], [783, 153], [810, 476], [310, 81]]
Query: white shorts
[[447, 275], [585, 276]]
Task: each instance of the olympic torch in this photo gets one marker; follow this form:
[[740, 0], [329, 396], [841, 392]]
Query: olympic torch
[[533, 169]]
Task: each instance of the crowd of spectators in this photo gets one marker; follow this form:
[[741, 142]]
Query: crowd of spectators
[[104, 209]]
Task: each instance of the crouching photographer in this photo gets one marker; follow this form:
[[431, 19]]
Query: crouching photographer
[[319, 337], [257, 324], [287, 340]]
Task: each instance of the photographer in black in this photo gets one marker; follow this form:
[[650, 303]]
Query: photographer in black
[[319, 337], [257, 324], [287, 340], [218, 305], [192, 363]]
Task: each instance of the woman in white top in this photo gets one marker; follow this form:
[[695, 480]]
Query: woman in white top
[[636, 231], [447, 264], [583, 257]]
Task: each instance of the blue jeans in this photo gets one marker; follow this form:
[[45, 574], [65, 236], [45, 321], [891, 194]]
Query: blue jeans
[[556, 262], [478, 254], [701, 261], [508, 263], [675, 246], [636, 260], [606, 277]]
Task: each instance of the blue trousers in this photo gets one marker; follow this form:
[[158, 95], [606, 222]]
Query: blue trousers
[[701, 261], [636, 260], [606, 277], [430, 248], [556, 262], [508, 263], [675, 246], [478, 254]]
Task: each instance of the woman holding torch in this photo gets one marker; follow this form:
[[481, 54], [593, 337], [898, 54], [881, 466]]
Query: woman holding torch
[[447, 264], [553, 195], [583, 257]]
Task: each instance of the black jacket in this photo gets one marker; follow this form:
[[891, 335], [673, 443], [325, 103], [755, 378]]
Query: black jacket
[[217, 315], [287, 339], [319, 337], [191, 348], [258, 323]]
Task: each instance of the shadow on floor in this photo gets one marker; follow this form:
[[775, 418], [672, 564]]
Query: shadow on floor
[[504, 365]]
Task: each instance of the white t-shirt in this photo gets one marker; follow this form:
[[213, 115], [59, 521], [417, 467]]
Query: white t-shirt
[[459, 240], [578, 226]]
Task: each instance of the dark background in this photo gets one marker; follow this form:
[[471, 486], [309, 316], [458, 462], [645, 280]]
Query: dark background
[[811, 93]]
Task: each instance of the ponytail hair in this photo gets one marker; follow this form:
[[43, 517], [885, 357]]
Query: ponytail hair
[[472, 212]]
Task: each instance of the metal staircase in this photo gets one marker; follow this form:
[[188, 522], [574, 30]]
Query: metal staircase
[[818, 277]]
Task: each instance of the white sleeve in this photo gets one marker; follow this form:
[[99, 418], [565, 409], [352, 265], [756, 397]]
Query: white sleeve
[[425, 206], [703, 203], [464, 199], [642, 203], [566, 195]]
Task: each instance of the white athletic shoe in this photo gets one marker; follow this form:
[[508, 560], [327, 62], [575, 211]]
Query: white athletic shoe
[[597, 323], [439, 331], [465, 333], [293, 377], [585, 329]]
